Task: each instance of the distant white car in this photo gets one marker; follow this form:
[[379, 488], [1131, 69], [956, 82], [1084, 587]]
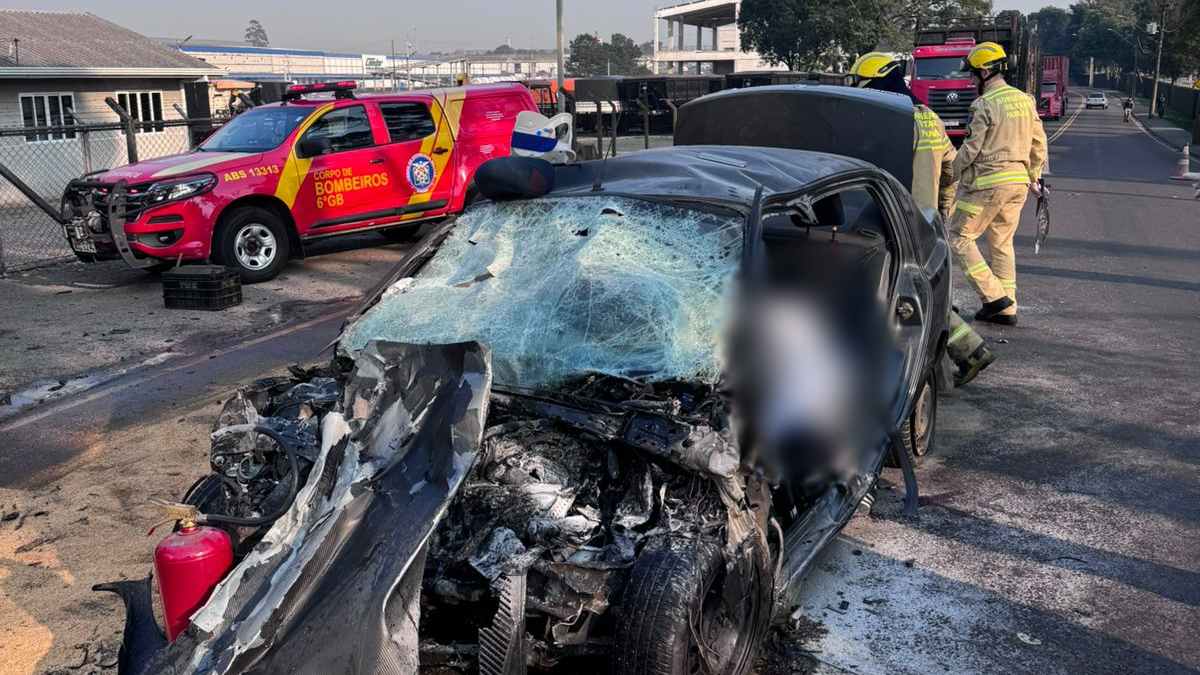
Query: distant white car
[[1096, 99]]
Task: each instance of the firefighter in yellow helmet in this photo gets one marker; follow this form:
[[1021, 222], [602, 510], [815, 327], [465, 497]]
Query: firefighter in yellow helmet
[[999, 163], [932, 189]]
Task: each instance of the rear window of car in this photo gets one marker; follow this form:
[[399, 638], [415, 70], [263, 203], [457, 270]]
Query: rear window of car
[[407, 121]]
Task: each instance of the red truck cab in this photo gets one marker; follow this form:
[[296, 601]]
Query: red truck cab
[[940, 82], [280, 175], [1052, 94]]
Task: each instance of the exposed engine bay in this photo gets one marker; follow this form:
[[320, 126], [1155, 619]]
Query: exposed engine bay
[[525, 553]]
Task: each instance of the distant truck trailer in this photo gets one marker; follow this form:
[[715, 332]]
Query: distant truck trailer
[[1053, 92]]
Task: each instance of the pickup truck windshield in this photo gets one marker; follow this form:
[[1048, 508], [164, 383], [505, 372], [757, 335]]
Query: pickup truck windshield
[[256, 130], [940, 68], [560, 287]]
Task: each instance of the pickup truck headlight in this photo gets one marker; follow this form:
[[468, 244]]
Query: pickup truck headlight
[[173, 190]]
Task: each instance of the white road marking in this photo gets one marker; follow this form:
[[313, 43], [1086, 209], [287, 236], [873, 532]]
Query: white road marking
[[1065, 125]]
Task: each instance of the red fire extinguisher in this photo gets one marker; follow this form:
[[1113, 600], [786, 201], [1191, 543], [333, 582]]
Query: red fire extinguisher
[[189, 564]]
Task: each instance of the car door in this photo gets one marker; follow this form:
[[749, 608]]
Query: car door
[[913, 307], [870, 218], [347, 180], [418, 152]]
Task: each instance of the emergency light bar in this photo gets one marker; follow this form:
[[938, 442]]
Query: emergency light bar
[[340, 89]]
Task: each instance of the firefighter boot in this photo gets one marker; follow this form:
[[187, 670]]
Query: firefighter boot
[[973, 365], [966, 349], [991, 312]]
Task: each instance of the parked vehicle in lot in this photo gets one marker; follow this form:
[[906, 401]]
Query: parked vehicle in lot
[[280, 175], [527, 449], [1096, 99]]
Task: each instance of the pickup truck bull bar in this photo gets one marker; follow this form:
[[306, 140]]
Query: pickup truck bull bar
[[79, 226]]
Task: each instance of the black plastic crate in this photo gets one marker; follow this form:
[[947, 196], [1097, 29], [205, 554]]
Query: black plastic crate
[[204, 287]]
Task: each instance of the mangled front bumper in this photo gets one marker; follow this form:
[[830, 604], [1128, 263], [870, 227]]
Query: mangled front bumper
[[334, 585], [97, 217]]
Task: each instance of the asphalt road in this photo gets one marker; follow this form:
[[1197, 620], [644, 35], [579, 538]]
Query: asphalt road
[[1060, 522], [40, 444]]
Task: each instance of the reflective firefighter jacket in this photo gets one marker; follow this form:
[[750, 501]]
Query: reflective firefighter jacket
[[932, 183], [1005, 140]]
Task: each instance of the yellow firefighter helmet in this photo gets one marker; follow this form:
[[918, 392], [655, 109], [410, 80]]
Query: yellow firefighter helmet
[[873, 65], [987, 56]]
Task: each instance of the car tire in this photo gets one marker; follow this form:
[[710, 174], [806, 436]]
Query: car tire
[[677, 580], [920, 429], [254, 241]]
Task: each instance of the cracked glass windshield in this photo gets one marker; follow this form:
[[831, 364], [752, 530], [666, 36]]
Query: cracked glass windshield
[[562, 287]]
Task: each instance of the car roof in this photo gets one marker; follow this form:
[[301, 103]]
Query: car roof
[[719, 173]]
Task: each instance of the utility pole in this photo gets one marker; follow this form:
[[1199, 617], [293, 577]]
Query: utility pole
[[393, 66], [1162, 33], [561, 96]]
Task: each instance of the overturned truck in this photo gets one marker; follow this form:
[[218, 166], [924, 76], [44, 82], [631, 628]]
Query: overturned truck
[[527, 452]]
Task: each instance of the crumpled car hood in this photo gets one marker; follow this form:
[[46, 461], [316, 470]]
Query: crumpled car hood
[[334, 585]]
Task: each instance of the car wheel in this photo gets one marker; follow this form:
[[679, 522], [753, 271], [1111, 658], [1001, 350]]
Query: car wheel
[[684, 612], [919, 429], [254, 241]]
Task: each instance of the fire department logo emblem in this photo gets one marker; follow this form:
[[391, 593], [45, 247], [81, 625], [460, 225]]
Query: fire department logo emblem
[[421, 172], [952, 97]]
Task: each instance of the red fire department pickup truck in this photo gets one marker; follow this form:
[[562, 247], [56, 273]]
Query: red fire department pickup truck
[[280, 175]]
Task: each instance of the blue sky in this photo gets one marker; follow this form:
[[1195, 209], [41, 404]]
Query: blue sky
[[369, 25]]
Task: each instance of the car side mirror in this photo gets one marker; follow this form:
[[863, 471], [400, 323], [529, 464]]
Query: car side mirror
[[314, 146]]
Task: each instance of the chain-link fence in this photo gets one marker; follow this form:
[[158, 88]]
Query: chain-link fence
[[47, 158]]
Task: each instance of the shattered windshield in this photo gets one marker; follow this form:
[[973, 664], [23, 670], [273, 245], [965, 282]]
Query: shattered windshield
[[566, 286]]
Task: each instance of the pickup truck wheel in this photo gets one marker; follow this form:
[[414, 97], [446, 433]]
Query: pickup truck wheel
[[253, 241], [683, 612]]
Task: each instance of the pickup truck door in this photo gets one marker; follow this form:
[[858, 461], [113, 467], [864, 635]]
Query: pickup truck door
[[419, 154], [347, 179]]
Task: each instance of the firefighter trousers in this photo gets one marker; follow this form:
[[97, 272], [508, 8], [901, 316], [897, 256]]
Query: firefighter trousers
[[994, 212]]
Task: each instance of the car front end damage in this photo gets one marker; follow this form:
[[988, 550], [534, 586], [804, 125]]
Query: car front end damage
[[441, 522], [143, 224], [437, 520]]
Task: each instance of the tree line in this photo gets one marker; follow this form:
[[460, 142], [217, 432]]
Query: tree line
[[1122, 34]]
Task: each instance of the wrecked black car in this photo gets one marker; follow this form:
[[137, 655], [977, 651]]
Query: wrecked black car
[[603, 421]]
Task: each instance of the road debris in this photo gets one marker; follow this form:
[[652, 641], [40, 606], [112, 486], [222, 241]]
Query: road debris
[[1028, 639]]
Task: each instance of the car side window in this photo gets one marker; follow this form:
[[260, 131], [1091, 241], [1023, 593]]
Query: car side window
[[337, 130], [860, 212], [407, 121]]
